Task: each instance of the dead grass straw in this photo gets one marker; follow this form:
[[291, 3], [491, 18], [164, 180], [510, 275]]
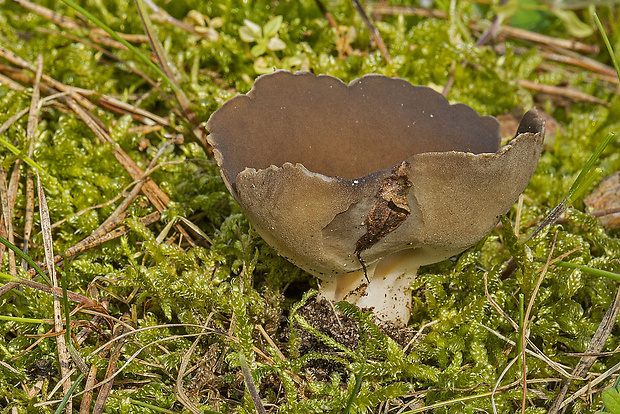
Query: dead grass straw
[[596, 345], [63, 353]]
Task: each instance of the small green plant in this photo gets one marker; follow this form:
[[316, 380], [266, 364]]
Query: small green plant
[[267, 43], [265, 37]]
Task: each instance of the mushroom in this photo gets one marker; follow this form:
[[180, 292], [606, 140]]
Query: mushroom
[[362, 184]]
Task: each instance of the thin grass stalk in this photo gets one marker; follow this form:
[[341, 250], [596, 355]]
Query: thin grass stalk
[[66, 401], [526, 321], [250, 386], [118, 38], [182, 98], [63, 354], [356, 389], [7, 218], [610, 49], [28, 215]]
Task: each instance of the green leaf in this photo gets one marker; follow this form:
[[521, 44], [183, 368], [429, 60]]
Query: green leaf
[[254, 29], [258, 49], [507, 10], [572, 24], [276, 44], [261, 66], [272, 26], [611, 399], [532, 15], [246, 34]]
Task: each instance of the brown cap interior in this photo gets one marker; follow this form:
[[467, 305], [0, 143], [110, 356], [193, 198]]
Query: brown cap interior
[[339, 130]]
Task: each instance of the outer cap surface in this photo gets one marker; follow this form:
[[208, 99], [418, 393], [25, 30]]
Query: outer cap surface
[[283, 147]]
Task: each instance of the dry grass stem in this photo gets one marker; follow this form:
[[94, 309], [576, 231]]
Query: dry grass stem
[[381, 8], [11, 83], [374, 32], [57, 18], [495, 306], [561, 369], [166, 66], [48, 246], [87, 397], [563, 92], [13, 118], [326, 13], [109, 54], [550, 40], [162, 16], [595, 346], [108, 382], [7, 216], [526, 321], [588, 387], [33, 119], [181, 396]]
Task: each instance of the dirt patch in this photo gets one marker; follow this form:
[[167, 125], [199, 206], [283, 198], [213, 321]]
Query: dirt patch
[[328, 320]]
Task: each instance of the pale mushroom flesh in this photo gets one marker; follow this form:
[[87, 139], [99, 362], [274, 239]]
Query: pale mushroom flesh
[[362, 184]]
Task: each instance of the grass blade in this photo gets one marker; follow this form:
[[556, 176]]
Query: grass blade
[[589, 270], [21, 155], [125, 43], [608, 44], [27, 258], [70, 392], [356, 389], [158, 49], [22, 320], [577, 188], [249, 383], [48, 247]]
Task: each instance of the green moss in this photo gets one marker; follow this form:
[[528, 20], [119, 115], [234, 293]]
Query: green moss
[[235, 281]]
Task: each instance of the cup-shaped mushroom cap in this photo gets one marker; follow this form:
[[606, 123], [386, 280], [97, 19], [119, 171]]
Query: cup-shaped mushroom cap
[[329, 173]]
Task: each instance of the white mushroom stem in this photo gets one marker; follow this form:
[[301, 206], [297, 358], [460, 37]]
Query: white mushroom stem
[[389, 291]]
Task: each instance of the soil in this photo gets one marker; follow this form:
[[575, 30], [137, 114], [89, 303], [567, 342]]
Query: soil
[[326, 318]]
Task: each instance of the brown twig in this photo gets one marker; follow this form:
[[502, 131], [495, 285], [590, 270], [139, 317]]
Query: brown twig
[[571, 94], [328, 16], [87, 397], [57, 18], [106, 388], [374, 33]]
